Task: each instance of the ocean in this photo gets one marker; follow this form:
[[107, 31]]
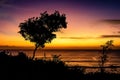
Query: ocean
[[75, 57]]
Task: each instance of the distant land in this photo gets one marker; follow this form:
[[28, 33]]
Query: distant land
[[55, 48]]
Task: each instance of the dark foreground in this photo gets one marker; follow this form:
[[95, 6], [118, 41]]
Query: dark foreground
[[20, 67]]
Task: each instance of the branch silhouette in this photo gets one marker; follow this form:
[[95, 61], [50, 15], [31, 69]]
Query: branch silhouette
[[40, 30]]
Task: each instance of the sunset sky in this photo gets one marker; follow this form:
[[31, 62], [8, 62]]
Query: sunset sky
[[90, 22]]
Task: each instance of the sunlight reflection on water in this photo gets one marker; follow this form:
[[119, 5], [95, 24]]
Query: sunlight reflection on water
[[76, 58]]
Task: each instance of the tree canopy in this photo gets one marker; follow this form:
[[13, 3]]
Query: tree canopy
[[40, 30]]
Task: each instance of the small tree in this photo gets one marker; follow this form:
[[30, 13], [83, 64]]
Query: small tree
[[56, 58], [40, 30], [104, 55]]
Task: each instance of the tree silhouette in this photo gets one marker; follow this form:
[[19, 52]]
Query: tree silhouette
[[40, 30], [103, 58]]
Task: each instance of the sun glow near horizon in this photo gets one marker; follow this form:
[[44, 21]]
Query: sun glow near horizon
[[87, 26], [78, 37]]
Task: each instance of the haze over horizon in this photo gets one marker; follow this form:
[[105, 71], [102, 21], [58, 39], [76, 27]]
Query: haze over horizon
[[90, 22]]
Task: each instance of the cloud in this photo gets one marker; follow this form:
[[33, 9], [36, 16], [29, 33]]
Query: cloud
[[6, 17], [76, 37], [102, 36], [118, 31], [110, 21], [7, 33], [3, 3], [9, 4], [110, 36]]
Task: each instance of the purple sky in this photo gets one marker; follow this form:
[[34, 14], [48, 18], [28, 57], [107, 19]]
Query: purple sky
[[87, 19]]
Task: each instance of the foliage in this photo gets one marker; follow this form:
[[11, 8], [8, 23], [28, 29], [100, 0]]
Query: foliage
[[56, 58], [20, 67], [40, 30], [104, 56]]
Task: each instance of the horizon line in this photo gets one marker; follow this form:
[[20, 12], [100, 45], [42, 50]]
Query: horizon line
[[57, 48]]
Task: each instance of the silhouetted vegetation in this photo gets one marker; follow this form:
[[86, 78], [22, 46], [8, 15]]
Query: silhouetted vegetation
[[104, 55], [40, 30], [20, 67]]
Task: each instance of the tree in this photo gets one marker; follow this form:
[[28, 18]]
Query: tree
[[40, 30], [104, 55]]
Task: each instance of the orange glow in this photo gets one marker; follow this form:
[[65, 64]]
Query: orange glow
[[80, 25]]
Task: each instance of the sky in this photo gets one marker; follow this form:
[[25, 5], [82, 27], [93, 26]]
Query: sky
[[90, 23]]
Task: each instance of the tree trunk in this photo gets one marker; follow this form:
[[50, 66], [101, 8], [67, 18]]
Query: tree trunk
[[103, 59], [34, 52]]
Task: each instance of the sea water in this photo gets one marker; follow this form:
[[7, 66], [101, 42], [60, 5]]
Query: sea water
[[89, 58], [76, 57]]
